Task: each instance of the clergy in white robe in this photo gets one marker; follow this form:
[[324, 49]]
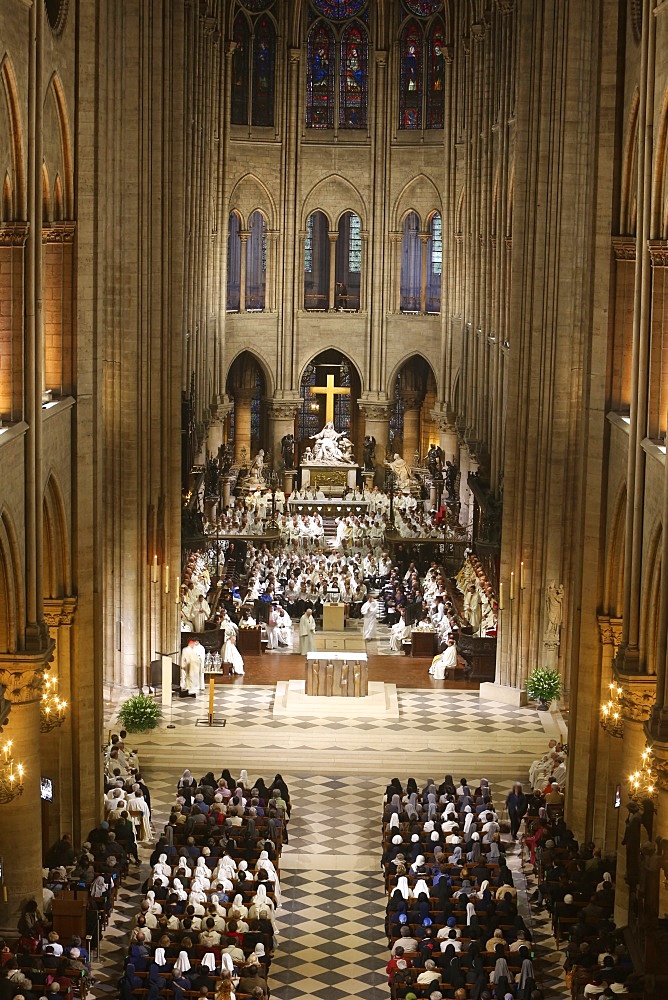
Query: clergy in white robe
[[307, 633], [232, 656], [445, 662], [399, 631], [141, 816], [190, 668], [284, 628], [200, 613], [370, 610]]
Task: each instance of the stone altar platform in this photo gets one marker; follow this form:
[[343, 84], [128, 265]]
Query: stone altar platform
[[337, 674], [331, 479], [291, 700]]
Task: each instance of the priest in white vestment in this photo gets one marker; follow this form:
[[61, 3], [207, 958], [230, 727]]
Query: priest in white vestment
[[307, 633], [399, 631], [370, 611], [231, 654], [445, 662]]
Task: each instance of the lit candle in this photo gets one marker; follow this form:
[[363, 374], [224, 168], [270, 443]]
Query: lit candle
[[166, 579], [177, 595], [512, 586], [500, 597], [154, 570], [522, 580]]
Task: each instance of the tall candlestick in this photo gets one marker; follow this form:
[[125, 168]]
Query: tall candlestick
[[512, 586], [154, 570], [522, 579], [500, 597], [166, 579], [177, 594]]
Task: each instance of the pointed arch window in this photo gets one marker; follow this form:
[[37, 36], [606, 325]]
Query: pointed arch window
[[256, 263], [411, 265], [353, 77], [422, 71], [320, 77], [349, 261], [253, 69], [233, 264], [434, 263], [316, 262]]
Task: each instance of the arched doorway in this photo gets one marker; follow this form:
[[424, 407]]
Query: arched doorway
[[246, 385], [330, 369], [412, 428]]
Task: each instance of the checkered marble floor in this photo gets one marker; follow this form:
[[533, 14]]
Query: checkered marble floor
[[331, 942]]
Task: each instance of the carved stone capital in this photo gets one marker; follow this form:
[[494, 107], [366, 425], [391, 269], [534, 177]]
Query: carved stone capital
[[449, 53], [381, 57], [374, 411], [59, 232], [443, 422], [282, 409], [294, 55], [411, 398], [14, 234], [509, 242], [22, 674], [637, 701], [505, 6], [59, 611], [658, 252], [624, 247], [610, 631]]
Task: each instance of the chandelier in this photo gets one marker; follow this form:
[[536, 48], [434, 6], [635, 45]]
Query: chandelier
[[642, 783], [11, 775], [611, 712], [52, 707]]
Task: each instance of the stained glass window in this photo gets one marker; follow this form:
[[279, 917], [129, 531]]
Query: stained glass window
[[355, 245], [434, 264], [241, 35], [353, 77], [309, 411], [423, 8], [410, 98], [264, 58], [308, 246], [436, 76], [339, 10], [256, 412], [316, 263], [320, 77], [396, 435], [348, 262]]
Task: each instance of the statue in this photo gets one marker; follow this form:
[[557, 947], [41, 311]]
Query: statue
[[631, 841], [288, 451], [256, 471], [332, 447], [451, 481], [369, 452], [554, 612], [400, 468], [435, 457]]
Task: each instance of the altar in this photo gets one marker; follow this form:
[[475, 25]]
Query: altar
[[331, 479]]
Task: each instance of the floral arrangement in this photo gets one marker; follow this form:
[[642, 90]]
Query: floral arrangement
[[139, 713], [543, 685]]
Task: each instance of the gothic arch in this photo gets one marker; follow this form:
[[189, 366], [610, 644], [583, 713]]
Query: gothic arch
[[660, 180], [46, 195], [57, 572], [459, 211], [15, 132], [67, 160], [333, 195], [404, 361], [263, 364], [251, 195], [12, 612], [357, 365], [614, 569], [649, 605], [419, 195], [627, 214]]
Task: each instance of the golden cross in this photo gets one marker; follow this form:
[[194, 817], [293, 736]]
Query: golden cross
[[329, 391]]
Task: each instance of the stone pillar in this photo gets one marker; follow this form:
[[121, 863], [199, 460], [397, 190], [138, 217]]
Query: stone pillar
[[281, 415], [412, 402], [242, 422], [424, 241], [243, 236], [609, 746], [56, 746], [220, 409], [333, 237], [396, 239], [447, 436], [377, 424], [21, 819]]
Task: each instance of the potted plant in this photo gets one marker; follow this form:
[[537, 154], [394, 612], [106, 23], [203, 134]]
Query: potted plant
[[139, 713], [543, 686]]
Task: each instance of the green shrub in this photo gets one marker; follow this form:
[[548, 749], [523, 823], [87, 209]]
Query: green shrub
[[139, 713]]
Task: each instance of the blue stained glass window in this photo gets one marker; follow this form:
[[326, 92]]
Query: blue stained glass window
[[355, 246], [436, 244], [411, 264], [320, 77], [410, 98], [353, 77], [423, 8], [434, 264], [233, 264], [256, 262], [308, 246], [339, 10], [264, 58], [436, 76]]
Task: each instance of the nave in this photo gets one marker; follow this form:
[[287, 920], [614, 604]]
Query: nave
[[331, 925]]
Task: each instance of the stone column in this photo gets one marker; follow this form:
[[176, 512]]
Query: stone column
[[412, 403], [396, 240], [333, 237], [243, 236], [281, 414], [21, 819], [609, 744], [242, 422], [57, 746], [377, 424], [447, 436], [424, 241], [220, 409]]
